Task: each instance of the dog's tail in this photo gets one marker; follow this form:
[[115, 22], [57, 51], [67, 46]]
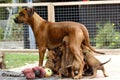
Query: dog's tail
[[88, 45], [105, 62], [86, 41]]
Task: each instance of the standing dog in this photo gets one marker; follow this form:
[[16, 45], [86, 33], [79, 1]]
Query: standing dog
[[50, 34]]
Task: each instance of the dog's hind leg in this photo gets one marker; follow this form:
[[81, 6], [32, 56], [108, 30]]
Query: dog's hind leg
[[75, 40], [72, 73], [94, 73], [103, 70], [79, 58]]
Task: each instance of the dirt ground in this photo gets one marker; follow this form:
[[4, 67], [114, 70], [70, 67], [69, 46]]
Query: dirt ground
[[112, 68]]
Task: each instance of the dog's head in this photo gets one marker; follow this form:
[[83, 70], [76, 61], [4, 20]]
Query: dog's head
[[24, 15]]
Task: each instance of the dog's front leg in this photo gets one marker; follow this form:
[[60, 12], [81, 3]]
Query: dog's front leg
[[41, 55]]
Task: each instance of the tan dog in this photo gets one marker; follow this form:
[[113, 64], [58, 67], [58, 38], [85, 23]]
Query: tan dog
[[50, 34], [50, 60], [74, 68], [94, 63], [67, 59], [53, 61]]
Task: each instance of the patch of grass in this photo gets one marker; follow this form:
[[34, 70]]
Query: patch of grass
[[15, 60]]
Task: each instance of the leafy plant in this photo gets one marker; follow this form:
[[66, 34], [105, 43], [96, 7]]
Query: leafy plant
[[107, 36]]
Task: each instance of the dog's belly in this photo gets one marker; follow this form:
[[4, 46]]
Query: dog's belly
[[53, 45], [54, 39]]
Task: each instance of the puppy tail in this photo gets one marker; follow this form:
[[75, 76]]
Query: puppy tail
[[105, 62]]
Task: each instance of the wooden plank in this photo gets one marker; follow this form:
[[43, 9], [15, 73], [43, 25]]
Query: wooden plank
[[61, 3], [85, 3], [51, 13], [23, 4]]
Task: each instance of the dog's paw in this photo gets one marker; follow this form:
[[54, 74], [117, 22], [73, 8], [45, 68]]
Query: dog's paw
[[78, 77], [105, 75], [92, 77]]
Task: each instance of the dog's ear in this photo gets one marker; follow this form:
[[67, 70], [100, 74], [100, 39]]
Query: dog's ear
[[30, 11]]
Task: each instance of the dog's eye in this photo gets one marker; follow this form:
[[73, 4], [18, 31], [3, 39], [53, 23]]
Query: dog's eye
[[21, 14]]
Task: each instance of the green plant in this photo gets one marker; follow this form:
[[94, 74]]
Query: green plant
[[107, 36]]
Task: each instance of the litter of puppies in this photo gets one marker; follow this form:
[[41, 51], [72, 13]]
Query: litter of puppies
[[68, 66]]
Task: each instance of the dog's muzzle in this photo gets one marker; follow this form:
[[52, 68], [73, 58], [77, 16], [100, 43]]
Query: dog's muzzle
[[17, 21]]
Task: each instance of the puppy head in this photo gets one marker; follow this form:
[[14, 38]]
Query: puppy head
[[85, 52], [51, 55], [24, 15]]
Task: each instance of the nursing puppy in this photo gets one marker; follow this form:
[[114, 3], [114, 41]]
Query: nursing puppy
[[94, 63], [53, 61], [66, 59]]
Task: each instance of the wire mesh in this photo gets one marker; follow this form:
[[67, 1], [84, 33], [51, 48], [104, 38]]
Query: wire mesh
[[14, 36], [101, 20], [94, 17]]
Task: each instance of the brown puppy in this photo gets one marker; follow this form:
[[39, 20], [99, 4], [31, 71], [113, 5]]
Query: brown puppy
[[94, 63], [50, 60], [67, 58], [53, 61], [74, 68], [62, 70], [50, 34]]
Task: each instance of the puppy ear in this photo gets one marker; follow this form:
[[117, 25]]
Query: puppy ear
[[30, 11]]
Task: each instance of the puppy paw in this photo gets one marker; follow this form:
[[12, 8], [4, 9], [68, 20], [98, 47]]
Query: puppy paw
[[105, 75], [78, 77], [92, 77]]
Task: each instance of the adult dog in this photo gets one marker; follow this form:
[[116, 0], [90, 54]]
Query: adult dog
[[50, 34]]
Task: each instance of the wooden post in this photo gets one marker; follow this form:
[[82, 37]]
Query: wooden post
[[51, 13]]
